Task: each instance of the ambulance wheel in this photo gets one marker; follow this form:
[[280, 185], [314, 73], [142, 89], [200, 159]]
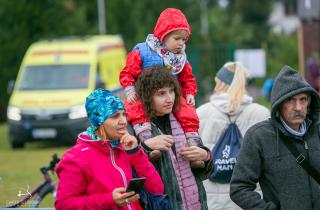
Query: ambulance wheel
[[15, 144]]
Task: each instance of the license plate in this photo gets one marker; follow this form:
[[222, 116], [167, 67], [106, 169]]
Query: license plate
[[44, 133]]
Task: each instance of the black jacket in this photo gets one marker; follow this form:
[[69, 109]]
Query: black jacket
[[265, 159]]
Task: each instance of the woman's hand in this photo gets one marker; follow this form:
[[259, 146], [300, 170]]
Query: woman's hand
[[128, 141], [161, 142], [121, 198], [194, 153]]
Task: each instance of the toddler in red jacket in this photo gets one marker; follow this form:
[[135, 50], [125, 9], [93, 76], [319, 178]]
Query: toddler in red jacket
[[165, 47]]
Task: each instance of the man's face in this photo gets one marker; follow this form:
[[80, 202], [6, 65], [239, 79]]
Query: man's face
[[294, 110]]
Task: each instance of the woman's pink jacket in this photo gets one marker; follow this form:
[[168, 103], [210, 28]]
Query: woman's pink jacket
[[91, 170]]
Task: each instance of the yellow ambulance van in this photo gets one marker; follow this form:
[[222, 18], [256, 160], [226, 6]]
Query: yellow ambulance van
[[47, 101]]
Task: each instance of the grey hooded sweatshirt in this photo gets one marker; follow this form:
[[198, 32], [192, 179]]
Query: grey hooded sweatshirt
[[264, 158]]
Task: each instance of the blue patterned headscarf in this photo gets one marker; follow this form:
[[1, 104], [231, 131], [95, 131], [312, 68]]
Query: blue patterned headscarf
[[100, 105]]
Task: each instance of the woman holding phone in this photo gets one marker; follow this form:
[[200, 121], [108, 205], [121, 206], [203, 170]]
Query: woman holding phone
[[95, 173]]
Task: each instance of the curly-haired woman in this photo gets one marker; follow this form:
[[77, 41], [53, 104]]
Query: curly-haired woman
[[160, 94]]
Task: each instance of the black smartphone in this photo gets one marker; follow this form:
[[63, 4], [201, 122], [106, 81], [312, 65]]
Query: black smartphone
[[136, 184]]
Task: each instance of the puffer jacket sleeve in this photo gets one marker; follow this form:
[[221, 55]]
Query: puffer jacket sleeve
[[129, 74], [144, 167], [246, 174], [187, 81], [71, 189]]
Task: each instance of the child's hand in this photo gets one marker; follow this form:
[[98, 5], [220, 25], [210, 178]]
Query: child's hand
[[190, 100], [128, 141], [132, 97]]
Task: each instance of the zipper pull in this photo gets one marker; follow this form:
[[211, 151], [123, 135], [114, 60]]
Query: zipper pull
[[305, 145]]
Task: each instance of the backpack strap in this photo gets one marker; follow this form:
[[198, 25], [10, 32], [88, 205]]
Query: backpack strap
[[301, 160], [229, 118], [235, 120]]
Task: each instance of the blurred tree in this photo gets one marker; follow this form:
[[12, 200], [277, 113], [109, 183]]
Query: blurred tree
[[226, 28], [242, 22], [281, 50], [255, 15], [23, 22]]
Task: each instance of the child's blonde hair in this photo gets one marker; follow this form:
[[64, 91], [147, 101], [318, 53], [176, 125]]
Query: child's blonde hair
[[237, 89]]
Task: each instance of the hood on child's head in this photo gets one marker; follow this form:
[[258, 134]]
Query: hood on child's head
[[170, 19]]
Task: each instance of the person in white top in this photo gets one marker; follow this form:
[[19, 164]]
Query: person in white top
[[228, 99]]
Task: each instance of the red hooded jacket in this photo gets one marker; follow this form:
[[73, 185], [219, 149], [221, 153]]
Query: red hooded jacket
[[169, 20]]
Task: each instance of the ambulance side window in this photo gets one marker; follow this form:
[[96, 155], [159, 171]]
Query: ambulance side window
[[99, 81]]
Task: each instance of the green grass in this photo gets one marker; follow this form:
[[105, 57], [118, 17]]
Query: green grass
[[19, 169]]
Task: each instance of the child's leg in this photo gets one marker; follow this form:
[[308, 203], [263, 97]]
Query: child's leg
[[188, 118], [141, 125], [137, 117]]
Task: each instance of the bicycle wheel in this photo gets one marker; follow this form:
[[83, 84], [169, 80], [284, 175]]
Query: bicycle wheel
[[36, 201], [42, 193]]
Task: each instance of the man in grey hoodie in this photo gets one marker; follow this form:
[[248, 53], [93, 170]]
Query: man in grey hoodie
[[264, 157]]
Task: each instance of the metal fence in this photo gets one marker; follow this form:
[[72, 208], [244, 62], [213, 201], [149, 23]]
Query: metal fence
[[206, 61]]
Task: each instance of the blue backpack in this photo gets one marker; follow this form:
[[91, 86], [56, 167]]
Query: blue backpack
[[225, 152]]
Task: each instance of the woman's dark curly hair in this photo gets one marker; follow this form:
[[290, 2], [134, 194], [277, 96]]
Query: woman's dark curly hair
[[150, 81]]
